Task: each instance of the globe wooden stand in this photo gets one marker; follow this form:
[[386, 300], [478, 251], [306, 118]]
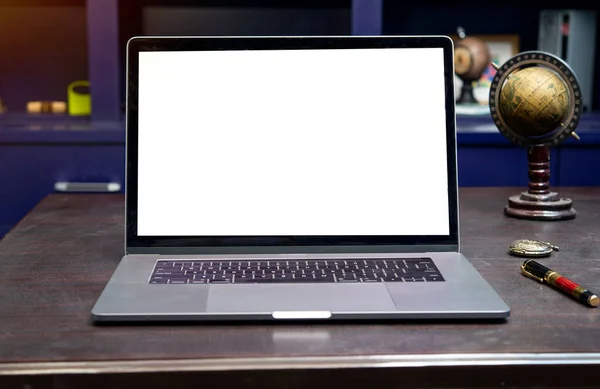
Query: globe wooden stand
[[539, 203]]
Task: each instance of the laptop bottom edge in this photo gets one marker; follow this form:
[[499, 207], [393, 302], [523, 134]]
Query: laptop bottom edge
[[295, 317]]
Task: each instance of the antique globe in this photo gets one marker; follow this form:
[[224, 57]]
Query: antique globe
[[535, 101]]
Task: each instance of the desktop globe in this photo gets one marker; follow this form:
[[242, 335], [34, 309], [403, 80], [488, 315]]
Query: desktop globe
[[535, 102]]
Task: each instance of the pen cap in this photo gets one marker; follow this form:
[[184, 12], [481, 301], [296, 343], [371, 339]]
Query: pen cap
[[535, 268]]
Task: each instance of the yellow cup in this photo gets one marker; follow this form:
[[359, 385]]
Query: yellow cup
[[79, 103]]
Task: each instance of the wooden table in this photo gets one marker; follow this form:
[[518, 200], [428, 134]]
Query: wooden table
[[54, 264]]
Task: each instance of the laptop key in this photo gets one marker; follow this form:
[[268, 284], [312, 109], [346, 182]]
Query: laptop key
[[169, 273], [280, 280], [414, 279], [438, 278]]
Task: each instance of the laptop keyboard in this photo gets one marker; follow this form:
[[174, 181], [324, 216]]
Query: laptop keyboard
[[269, 272]]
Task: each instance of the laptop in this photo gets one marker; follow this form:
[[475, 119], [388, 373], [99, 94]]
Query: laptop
[[292, 178]]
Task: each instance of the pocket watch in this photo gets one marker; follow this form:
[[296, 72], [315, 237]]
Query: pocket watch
[[531, 248]]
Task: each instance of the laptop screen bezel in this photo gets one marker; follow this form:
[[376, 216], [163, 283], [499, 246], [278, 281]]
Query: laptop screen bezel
[[284, 244]]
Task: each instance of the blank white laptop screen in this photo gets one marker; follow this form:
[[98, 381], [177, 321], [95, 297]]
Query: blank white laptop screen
[[292, 142]]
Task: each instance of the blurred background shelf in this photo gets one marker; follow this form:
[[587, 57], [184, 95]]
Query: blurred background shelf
[[54, 42], [481, 130]]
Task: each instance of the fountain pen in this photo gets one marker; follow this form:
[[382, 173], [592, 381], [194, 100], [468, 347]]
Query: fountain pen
[[541, 273]]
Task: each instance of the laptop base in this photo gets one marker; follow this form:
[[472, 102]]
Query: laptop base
[[463, 295]]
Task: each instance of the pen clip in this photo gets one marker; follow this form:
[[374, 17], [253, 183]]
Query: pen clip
[[528, 274]]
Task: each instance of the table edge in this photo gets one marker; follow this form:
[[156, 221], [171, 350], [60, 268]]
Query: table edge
[[295, 363]]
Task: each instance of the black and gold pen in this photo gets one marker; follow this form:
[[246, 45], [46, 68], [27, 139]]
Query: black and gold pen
[[541, 273]]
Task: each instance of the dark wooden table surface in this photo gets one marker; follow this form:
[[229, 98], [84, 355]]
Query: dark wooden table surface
[[54, 264]]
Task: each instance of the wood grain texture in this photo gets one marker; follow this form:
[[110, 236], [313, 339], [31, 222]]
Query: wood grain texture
[[55, 263]]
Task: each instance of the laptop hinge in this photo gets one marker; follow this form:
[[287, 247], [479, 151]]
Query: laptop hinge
[[292, 250]]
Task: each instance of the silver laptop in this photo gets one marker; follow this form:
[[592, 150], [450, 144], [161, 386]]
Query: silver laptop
[[292, 178]]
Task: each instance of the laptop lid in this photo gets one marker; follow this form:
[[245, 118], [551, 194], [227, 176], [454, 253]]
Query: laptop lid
[[290, 145]]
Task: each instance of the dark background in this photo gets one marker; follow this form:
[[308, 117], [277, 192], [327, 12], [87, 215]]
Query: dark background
[[43, 42], [42, 50]]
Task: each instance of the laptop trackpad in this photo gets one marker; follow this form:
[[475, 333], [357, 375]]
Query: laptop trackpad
[[306, 297]]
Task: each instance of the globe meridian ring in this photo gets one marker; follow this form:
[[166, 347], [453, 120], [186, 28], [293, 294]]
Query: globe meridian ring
[[574, 110]]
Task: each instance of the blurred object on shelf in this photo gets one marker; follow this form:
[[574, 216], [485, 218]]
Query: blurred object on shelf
[[481, 87], [59, 107], [3, 108], [571, 35], [46, 107], [471, 56], [36, 106], [79, 102], [501, 48]]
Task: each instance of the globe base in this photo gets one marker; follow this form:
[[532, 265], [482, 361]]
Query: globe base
[[466, 94], [547, 207]]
